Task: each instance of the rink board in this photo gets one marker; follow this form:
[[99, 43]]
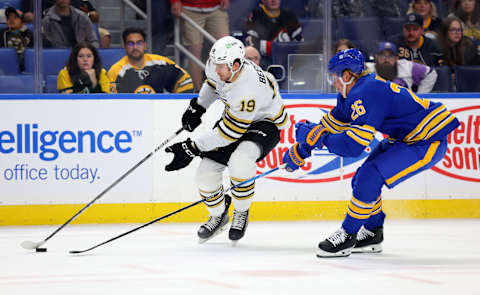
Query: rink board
[[58, 154]]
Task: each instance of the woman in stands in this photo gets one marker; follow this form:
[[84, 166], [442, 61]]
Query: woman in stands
[[84, 72], [457, 49], [428, 10], [469, 12]]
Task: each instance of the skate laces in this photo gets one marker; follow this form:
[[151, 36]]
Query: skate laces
[[364, 234], [338, 237], [239, 219], [213, 222]]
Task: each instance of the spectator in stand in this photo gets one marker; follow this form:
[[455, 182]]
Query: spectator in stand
[[428, 10], [269, 23], [469, 12], [412, 45], [458, 49], [139, 72], [16, 34], [341, 45], [83, 5], [212, 16], [252, 54], [64, 26], [84, 72], [417, 77]]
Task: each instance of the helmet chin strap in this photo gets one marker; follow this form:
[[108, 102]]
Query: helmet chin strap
[[344, 86], [234, 72]]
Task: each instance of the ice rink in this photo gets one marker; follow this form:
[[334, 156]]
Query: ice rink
[[419, 257]]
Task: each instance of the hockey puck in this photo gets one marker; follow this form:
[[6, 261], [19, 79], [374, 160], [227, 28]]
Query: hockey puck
[[41, 250]]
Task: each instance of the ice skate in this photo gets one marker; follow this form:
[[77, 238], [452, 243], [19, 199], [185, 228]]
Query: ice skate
[[239, 226], [215, 224], [369, 241], [339, 244]]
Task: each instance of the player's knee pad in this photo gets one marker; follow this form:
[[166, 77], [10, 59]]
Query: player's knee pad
[[209, 175], [242, 163], [367, 183]]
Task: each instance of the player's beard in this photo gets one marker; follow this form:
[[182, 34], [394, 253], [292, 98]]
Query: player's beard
[[386, 71]]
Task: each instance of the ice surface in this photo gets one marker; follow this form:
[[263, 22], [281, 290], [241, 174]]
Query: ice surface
[[420, 257]]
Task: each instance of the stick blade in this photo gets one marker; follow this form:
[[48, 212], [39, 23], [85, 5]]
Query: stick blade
[[29, 245], [75, 252]]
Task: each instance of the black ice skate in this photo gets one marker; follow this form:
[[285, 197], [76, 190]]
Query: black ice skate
[[339, 244], [369, 241], [215, 224], [239, 226]]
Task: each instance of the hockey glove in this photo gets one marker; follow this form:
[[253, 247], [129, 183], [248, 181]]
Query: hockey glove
[[296, 155], [192, 116], [310, 133], [183, 154]]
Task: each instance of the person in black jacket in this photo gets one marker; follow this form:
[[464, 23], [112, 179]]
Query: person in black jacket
[[16, 34], [269, 23], [412, 45]]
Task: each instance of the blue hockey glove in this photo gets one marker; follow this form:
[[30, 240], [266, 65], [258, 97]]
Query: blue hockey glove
[[310, 133], [296, 155]]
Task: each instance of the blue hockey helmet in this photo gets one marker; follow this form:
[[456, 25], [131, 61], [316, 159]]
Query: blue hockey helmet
[[348, 59]]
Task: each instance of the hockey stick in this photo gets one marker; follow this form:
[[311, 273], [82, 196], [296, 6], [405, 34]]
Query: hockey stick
[[175, 212], [30, 245]]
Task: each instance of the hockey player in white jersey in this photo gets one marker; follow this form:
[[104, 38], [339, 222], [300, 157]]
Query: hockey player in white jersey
[[247, 131]]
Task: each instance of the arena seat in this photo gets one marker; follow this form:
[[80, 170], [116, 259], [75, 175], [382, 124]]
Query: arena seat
[[9, 62], [110, 56], [392, 25], [467, 78], [11, 3], [16, 84], [51, 84], [360, 28], [299, 7], [444, 81], [54, 59]]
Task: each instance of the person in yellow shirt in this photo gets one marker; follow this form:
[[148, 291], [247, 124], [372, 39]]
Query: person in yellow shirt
[[84, 72], [139, 72]]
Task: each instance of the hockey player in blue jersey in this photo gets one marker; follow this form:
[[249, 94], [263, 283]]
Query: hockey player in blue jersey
[[417, 130]]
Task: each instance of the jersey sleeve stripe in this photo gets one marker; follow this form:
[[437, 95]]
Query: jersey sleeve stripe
[[423, 123], [440, 126], [434, 122], [358, 139], [226, 136]]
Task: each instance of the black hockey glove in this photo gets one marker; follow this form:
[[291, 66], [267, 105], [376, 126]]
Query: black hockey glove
[[183, 152], [192, 116]]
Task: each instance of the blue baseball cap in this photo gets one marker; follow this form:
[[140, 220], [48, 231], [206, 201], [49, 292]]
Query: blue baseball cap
[[387, 46]]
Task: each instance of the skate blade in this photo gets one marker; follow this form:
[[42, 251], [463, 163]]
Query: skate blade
[[368, 249], [220, 230], [342, 253]]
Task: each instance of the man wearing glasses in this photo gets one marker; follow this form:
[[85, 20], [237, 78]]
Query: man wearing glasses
[[140, 72], [417, 77]]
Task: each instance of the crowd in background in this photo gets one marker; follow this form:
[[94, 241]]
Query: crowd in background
[[431, 34]]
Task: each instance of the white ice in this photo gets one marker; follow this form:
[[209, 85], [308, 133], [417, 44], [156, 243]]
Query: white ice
[[419, 257]]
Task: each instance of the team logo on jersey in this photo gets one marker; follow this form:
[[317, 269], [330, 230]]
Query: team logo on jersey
[[322, 166], [462, 159], [144, 89], [143, 74]]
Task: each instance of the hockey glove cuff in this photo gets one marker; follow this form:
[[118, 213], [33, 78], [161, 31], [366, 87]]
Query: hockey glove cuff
[[191, 119], [302, 129], [316, 136], [183, 154], [296, 155]]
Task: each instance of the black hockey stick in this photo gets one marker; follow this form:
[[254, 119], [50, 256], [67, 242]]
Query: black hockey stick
[[34, 245], [175, 212]]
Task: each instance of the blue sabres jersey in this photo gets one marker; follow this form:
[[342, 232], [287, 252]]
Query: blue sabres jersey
[[374, 104]]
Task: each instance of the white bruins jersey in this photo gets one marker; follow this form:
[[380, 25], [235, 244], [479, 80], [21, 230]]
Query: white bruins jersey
[[252, 97]]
